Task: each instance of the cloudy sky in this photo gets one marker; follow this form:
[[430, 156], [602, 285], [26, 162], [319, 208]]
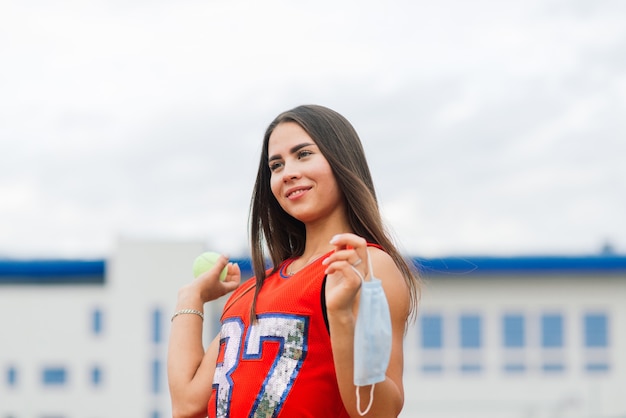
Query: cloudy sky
[[492, 127]]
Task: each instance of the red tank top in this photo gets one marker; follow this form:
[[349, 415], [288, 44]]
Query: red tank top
[[282, 366]]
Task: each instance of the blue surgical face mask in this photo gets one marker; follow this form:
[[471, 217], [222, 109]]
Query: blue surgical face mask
[[372, 336]]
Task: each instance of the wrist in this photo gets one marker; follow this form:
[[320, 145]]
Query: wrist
[[188, 298], [188, 311], [341, 317]]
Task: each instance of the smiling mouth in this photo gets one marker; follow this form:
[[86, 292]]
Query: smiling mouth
[[297, 193]]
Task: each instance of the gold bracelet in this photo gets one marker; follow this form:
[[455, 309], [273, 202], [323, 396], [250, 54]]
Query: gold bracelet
[[188, 311]]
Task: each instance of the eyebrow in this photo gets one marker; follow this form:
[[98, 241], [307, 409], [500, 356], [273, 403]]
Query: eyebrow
[[293, 150]]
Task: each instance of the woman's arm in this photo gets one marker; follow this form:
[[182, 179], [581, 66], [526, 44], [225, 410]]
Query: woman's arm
[[342, 305], [190, 369]]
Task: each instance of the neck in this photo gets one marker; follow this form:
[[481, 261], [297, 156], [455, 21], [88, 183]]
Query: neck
[[318, 236]]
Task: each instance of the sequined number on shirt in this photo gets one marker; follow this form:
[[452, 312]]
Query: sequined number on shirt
[[290, 331]]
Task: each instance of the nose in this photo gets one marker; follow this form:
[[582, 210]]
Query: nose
[[290, 172]]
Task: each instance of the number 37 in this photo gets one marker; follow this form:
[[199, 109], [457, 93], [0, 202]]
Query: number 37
[[290, 331]]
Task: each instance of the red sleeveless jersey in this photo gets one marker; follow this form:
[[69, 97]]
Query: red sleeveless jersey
[[282, 366]]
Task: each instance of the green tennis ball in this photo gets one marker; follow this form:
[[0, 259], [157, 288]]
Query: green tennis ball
[[204, 262]]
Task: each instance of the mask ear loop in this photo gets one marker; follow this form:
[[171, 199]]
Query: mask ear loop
[[369, 266], [358, 400], [358, 395]]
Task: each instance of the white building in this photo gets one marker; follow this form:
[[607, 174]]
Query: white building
[[520, 337], [495, 337]]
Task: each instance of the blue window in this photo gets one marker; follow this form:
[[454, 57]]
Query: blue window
[[156, 326], [432, 342], [515, 368], [596, 340], [12, 376], [432, 331], [552, 339], [54, 376], [470, 339], [156, 376], [553, 367], [597, 367], [470, 332], [216, 321], [596, 331], [513, 331], [552, 331], [514, 341], [432, 368], [96, 376], [471, 367], [96, 321]]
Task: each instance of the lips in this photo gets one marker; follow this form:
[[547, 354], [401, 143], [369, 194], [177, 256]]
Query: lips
[[295, 192]]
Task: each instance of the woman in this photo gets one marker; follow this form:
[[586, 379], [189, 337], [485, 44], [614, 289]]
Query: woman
[[286, 346]]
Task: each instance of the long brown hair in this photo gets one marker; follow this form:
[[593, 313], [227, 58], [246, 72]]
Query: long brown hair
[[283, 235]]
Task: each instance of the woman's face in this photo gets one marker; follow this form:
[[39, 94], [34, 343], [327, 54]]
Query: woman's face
[[302, 181]]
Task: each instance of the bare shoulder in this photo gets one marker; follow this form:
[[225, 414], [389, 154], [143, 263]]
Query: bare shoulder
[[394, 283], [384, 266]]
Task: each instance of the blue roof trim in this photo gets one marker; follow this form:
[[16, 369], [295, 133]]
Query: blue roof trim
[[94, 271], [245, 265], [473, 266], [52, 271]]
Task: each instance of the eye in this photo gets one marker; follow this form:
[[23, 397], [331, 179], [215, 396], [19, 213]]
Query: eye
[[275, 165], [304, 153]]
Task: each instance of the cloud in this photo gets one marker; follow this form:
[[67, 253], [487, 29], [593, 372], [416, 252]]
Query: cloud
[[491, 127]]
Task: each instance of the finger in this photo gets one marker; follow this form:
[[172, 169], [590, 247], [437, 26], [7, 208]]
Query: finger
[[348, 240], [338, 266], [359, 246], [233, 269], [351, 242], [346, 270], [348, 256], [233, 273], [233, 278], [222, 261], [344, 254]]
